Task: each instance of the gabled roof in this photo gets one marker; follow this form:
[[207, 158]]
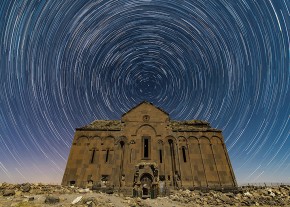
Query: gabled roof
[[117, 125], [146, 102]]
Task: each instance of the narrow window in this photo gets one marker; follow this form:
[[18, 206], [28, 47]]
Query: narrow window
[[131, 154], [107, 155], [93, 156], [184, 154], [160, 155], [122, 144], [146, 147]]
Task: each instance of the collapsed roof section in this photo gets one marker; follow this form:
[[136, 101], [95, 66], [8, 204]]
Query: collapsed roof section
[[117, 125], [174, 125], [103, 125]]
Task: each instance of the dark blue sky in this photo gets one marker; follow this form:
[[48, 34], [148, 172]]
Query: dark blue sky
[[66, 63]]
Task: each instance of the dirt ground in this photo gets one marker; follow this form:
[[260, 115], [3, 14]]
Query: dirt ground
[[44, 195], [100, 199]]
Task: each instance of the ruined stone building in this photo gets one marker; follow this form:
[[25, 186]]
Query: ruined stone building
[[146, 154]]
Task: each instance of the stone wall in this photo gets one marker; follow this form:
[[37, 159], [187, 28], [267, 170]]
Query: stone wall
[[184, 154]]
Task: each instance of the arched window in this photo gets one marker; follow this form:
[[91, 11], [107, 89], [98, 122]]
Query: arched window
[[184, 154]]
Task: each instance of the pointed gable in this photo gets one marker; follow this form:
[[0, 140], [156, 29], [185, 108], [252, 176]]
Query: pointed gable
[[146, 111]]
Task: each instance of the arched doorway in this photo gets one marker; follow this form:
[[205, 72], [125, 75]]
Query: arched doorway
[[146, 183]]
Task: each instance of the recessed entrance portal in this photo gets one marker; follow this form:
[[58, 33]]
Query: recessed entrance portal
[[146, 183], [146, 180]]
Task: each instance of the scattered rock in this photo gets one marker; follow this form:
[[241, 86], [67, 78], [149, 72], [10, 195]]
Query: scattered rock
[[109, 190], [86, 190], [224, 198], [8, 192], [51, 200], [89, 199], [90, 204], [78, 199], [26, 188], [18, 193], [30, 195], [96, 186], [30, 198], [14, 204], [248, 194]]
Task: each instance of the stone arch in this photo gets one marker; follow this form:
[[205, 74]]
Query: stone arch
[[182, 142], [209, 160], [95, 137], [196, 161], [204, 140], [160, 142], [192, 138], [182, 147], [120, 147], [146, 180], [171, 157], [216, 140], [222, 162], [184, 160], [146, 136], [82, 137], [109, 138], [95, 140], [105, 150], [182, 139], [170, 137], [120, 139], [144, 126], [146, 174]]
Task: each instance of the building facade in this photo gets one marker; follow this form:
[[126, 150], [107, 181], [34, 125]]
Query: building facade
[[146, 154]]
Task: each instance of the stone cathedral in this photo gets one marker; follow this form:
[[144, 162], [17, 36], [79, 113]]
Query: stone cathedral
[[146, 154]]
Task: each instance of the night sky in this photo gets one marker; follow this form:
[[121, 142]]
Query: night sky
[[66, 63]]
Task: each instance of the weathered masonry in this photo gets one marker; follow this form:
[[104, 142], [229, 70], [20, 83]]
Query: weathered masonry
[[146, 154]]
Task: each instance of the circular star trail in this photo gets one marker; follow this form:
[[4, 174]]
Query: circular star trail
[[66, 63]]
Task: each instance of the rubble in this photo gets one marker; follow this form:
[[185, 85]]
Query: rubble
[[258, 196], [52, 200], [8, 192], [78, 199], [56, 195]]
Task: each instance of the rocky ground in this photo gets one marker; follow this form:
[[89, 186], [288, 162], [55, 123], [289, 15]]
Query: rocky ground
[[38, 195]]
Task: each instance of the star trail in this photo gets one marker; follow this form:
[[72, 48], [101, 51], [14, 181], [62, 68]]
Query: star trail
[[66, 63]]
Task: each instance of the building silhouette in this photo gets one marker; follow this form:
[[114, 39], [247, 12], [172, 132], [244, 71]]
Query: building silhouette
[[146, 154]]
